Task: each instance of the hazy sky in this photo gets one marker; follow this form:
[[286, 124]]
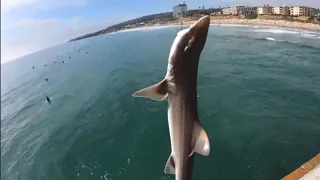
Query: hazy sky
[[30, 25]]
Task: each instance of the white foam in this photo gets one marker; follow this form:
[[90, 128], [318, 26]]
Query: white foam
[[277, 31], [310, 35], [272, 39], [233, 25]]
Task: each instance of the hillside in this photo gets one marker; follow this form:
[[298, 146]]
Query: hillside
[[154, 19]]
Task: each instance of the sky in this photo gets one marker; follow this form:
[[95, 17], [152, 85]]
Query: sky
[[28, 26]]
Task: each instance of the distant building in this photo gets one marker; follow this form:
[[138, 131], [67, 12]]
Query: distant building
[[180, 10], [236, 10], [264, 10], [283, 10], [302, 11], [247, 10], [127, 26], [215, 13], [316, 12], [226, 11]]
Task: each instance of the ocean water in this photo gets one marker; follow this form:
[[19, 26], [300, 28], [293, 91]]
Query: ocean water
[[258, 99]]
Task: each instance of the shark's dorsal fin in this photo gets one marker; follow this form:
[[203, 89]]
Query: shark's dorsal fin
[[156, 92], [200, 141], [170, 166]]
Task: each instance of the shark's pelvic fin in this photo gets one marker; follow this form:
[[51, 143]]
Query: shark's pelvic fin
[[170, 166], [157, 92], [200, 141]]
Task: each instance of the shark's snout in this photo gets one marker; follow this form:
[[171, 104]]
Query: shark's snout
[[201, 26]]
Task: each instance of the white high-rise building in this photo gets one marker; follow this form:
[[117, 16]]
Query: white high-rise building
[[180, 10]]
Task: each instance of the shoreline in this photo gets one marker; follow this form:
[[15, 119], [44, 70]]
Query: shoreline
[[272, 23], [166, 19], [249, 22]]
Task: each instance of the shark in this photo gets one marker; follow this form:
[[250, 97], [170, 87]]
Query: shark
[[187, 135]]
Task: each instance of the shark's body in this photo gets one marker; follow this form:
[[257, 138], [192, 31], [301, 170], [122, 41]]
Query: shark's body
[[180, 86]]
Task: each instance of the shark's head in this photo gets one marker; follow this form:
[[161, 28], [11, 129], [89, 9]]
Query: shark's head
[[183, 60], [189, 43]]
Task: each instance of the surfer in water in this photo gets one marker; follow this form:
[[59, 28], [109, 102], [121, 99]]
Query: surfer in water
[[48, 99], [47, 79]]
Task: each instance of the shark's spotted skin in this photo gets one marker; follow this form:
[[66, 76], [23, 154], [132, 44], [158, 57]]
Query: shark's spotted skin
[[180, 86]]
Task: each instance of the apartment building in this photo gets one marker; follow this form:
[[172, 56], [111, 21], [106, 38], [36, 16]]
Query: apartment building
[[316, 12], [239, 10], [226, 11], [266, 9], [247, 10], [302, 11], [283, 10]]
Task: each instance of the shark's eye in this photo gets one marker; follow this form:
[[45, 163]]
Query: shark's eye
[[186, 42]]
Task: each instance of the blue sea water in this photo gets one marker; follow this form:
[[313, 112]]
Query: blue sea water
[[258, 99]]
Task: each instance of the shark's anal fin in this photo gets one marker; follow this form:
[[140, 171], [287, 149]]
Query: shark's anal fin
[[156, 92], [170, 166], [200, 141]]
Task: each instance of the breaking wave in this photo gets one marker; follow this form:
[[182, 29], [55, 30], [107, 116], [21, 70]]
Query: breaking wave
[[305, 34], [233, 25], [312, 35], [300, 44], [277, 31], [272, 39]]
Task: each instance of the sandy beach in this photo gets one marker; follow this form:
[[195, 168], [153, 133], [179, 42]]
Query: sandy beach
[[259, 22], [276, 23]]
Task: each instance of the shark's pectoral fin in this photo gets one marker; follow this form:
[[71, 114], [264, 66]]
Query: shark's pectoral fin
[[156, 92], [170, 166], [200, 141]]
